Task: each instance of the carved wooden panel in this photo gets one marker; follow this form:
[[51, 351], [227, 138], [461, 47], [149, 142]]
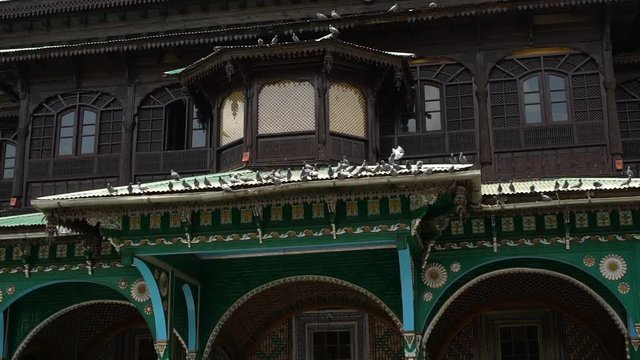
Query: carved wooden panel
[[286, 148], [5, 189], [38, 169], [354, 150], [108, 165], [230, 158], [73, 167], [190, 160]]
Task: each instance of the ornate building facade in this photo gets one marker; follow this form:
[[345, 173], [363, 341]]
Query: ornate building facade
[[232, 180]]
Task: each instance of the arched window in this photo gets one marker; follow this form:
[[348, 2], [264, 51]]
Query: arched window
[[347, 110], [168, 120], [286, 100], [443, 117], [231, 115], [546, 101], [75, 124], [7, 155], [628, 105]]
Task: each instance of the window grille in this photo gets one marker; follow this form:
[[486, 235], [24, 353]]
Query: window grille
[[232, 119], [628, 105], [347, 110], [286, 107]]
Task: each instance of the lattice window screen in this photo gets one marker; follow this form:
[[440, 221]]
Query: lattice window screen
[[628, 104], [45, 117], [347, 110], [232, 118], [285, 107]]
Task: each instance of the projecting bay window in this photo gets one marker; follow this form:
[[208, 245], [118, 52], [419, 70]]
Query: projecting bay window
[[545, 99], [286, 106]]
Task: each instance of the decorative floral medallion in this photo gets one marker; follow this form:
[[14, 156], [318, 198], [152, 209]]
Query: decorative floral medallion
[[455, 267], [297, 212], [123, 283], [276, 213], [528, 223], [477, 226], [550, 222], [155, 221], [148, 309], [395, 206], [246, 215], [427, 296], [613, 267], [625, 217], [11, 289], [507, 224], [457, 227], [373, 207], [589, 261], [140, 291], [582, 220], [3, 254], [434, 276], [163, 284], [61, 251], [352, 208], [603, 218], [624, 288], [225, 216], [317, 210], [134, 222], [206, 219]]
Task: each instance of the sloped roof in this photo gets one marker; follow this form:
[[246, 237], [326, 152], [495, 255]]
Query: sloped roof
[[34, 219], [560, 185]]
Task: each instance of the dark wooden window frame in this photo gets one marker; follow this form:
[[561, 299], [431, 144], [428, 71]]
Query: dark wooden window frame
[[78, 111], [420, 112], [628, 107], [190, 115], [3, 153], [545, 97]]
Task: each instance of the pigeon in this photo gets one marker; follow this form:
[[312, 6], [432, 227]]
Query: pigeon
[[556, 186], [276, 180], [451, 169], [419, 164], [333, 30], [289, 174], [499, 188], [243, 178], [532, 188], [626, 182], [546, 197], [111, 190], [597, 184], [225, 186], [321, 16], [206, 181], [170, 186], [141, 187], [259, 177], [260, 41], [462, 159], [394, 172], [394, 8], [335, 15], [196, 183], [362, 168], [130, 188], [295, 38], [433, 5], [578, 185], [377, 168], [415, 171], [512, 188], [428, 171], [330, 172], [396, 154], [452, 159], [175, 175], [565, 185], [629, 172], [274, 40], [326, 37], [345, 161], [222, 181], [185, 184]]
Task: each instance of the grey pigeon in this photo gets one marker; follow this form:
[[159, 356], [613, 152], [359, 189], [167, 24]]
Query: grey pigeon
[[433, 5], [419, 164], [170, 186], [394, 172], [556, 186], [408, 165], [452, 159], [321, 16], [222, 181], [345, 161], [546, 197], [185, 184], [276, 180], [462, 159], [415, 171], [626, 182], [333, 30], [597, 184], [225, 186], [499, 188], [578, 185], [130, 188], [532, 188], [295, 38], [175, 175], [289, 174], [452, 168], [629, 172], [111, 190], [512, 188], [196, 183], [330, 172], [260, 41], [565, 185], [259, 177], [141, 187], [274, 40], [428, 171], [206, 181], [394, 8], [334, 14]]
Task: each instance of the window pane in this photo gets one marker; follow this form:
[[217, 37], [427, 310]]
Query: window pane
[[558, 95], [431, 93], [286, 106], [66, 132], [88, 117], [531, 84], [198, 138], [9, 163], [8, 174], [433, 122], [231, 118], [556, 83], [533, 114], [533, 98], [68, 119], [432, 106], [10, 151], [87, 144], [89, 130], [347, 110], [559, 112], [408, 125], [65, 147]]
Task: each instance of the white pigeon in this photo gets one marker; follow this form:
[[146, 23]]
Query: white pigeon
[[333, 30], [433, 5], [396, 154], [322, 16], [334, 14], [394, 8], [175, 175], [295, 38]]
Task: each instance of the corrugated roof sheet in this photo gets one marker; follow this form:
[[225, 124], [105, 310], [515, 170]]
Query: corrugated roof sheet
[[560, 185], [35, 219], [245, 179]]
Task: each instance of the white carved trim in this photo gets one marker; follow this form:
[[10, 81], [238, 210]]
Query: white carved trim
[[288, 280]]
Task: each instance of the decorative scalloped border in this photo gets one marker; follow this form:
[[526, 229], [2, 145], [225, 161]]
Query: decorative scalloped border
[[51, 268], [533, 241]]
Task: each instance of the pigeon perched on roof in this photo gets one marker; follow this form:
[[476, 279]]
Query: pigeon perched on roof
[[532, 188], [462, 159], [578, 185], [130, 188], [206, 181], [512, 188], [330, 172], [259, 177], [111, 190], [175, 175], [499, 189], [225, 186], [185, 184], [334, 14], [321, 16], [141, 187], [394, 8], [597, 184], [565, 185], [452, 159], [629, 172], [170, 186], [196, 183], [556, 186], [295, 37], [546, 197], [333, 30], [260, 41], [396, 154], [274, 40], [433, 5], [626, 182]]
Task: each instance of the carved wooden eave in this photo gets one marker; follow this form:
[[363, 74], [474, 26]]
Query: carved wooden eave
[[410, 12], [226, 58], [26, 8]]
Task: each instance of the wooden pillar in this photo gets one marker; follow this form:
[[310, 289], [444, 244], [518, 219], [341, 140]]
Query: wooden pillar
[[481, 78], [615, 142], [24, 93], [411, 340], [128, 150]]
